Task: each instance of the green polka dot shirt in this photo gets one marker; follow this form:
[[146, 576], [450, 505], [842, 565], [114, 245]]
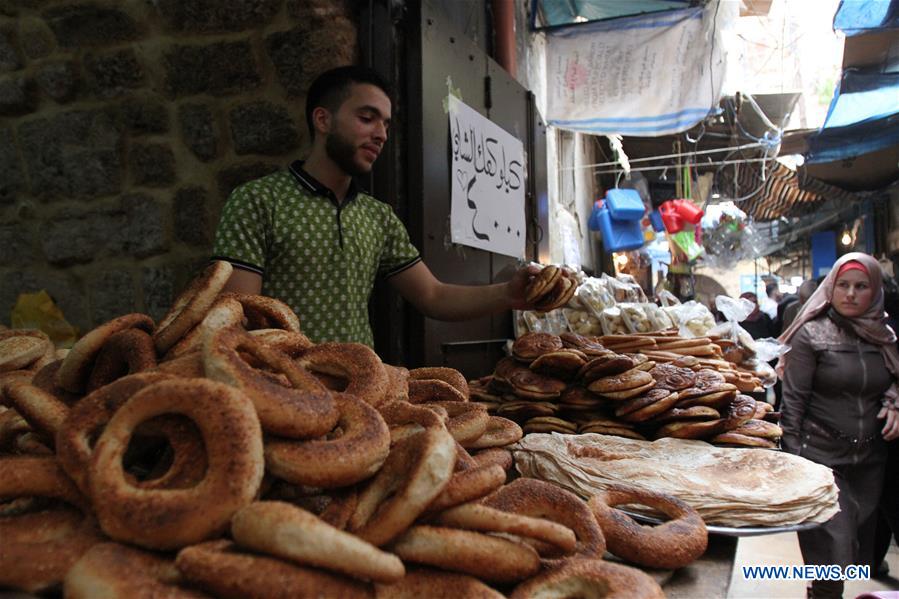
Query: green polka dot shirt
[[319, 258]]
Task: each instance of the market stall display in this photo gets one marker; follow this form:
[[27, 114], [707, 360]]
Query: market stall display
[[309, 457]]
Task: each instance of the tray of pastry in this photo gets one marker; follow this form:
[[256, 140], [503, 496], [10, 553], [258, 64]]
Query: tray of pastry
[[731, 531]]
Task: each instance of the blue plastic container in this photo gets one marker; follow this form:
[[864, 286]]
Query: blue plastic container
[[619, 235], [624, 204], [655, 217]]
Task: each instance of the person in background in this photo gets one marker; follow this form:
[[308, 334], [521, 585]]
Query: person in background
[[768, 304], [307, 235], [888, 514], [758, 324], [839, 406], [805, 291]]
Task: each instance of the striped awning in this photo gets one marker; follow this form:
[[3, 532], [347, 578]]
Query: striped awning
[[783, 193]]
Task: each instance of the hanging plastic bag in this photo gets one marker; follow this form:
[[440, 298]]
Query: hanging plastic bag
[[39, 311], [686, 242], [692, 319], [736, 343]]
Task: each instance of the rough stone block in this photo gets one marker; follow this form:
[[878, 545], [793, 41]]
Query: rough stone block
[[199, 131], [145, 232], [35, 37], [194, 224], [73, 154], [17, 246], [81, 239], [10, 168], [10, 60], [152, 165], [206, 16], [263, 128], [111, 293], [143, 116], [302, 53], [17, 96], [79, 25], [317, 12], [114, 73], [58, 80], [158, 284], [230, 178], [218, 69], [62, 287]]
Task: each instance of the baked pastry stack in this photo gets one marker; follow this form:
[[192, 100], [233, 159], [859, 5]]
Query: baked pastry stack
[[553, 287], [625, 385]]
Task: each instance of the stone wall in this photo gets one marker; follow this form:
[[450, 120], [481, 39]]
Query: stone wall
[[125, 124]]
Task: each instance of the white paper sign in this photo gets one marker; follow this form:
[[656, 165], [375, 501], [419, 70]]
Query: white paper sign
[[488, 179]]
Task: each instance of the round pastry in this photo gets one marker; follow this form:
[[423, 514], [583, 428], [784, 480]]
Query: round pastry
[[587, 345], [264, 312], [563, 364], [126, 352], [691, 413], [530, 346], [734, 439], [759, 428], [191, 305], [531, 385], [590, 578], [469, 485], [673, 378], [450, 376], [436, 584], [355, 363], [542, 283], [500, 432], [609, 364], [662, 403], [674, 544], [430, 390]]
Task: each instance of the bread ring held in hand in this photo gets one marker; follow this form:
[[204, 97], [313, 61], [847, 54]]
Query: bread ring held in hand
[[173, 518], [111, 569], [673, 544], [590, 578], [349, 458], [304, 410], [291, 533], [356, 364], [222, 569], [538, 499], [33, 562]]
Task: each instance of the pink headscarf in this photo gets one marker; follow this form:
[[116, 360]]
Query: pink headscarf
[[871, 326]]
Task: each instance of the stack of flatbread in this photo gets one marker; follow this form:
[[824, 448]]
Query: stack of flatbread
[[727, 486]]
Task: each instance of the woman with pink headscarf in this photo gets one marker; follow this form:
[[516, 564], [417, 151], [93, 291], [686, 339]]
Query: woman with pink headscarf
[[839, 405]]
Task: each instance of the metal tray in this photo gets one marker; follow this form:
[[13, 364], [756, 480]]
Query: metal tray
[[733, 531]]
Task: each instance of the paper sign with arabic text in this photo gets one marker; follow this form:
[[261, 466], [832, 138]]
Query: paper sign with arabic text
[[488, 179]]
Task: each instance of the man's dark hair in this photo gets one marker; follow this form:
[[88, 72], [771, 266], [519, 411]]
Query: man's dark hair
[[331, 88], [771, 288]]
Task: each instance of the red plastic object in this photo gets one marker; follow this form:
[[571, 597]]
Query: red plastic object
[[670, 217], [688, 211]]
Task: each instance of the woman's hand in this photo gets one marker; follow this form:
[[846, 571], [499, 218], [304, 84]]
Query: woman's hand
[[891, 427]]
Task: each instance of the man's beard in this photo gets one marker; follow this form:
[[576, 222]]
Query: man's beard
[[343, 153]]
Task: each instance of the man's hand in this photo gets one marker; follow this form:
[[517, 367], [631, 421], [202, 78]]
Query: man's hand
[[891, 428], [516, 287]]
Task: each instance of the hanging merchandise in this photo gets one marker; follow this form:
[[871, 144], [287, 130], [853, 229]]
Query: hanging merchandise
[[619, 218], [729, 236]]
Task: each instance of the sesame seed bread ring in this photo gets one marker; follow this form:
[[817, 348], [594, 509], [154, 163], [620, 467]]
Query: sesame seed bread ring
[[464, 461], [474, 516], [111, 569], [222, 569], [674, 544], [12, 426], [191, 306], [78, 363], [226, 312], [304, 410], [415, 472], [188, 366], [292, 344], [590, 578], [397, 384], [423, 391], [42, 410], [19, 348], [500, 432], [530, 346], [232, 436], [487, 557], [494, 455], [450, 376], [436, 584], [469, 485], [405, 419], [77, 434], [355, 363], [126, 352], [538, 499], [45, 378], [349, 458], [263, 312], [467, 420], [40, 561], [291, 533]]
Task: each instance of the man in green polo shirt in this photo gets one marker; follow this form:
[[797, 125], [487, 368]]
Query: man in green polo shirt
[[310, 238]]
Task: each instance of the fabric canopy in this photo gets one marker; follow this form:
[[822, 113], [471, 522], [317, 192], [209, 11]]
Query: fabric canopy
[[560, 13], [855, 16]]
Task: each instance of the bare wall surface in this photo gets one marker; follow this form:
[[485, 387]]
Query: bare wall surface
[[125, 124]]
